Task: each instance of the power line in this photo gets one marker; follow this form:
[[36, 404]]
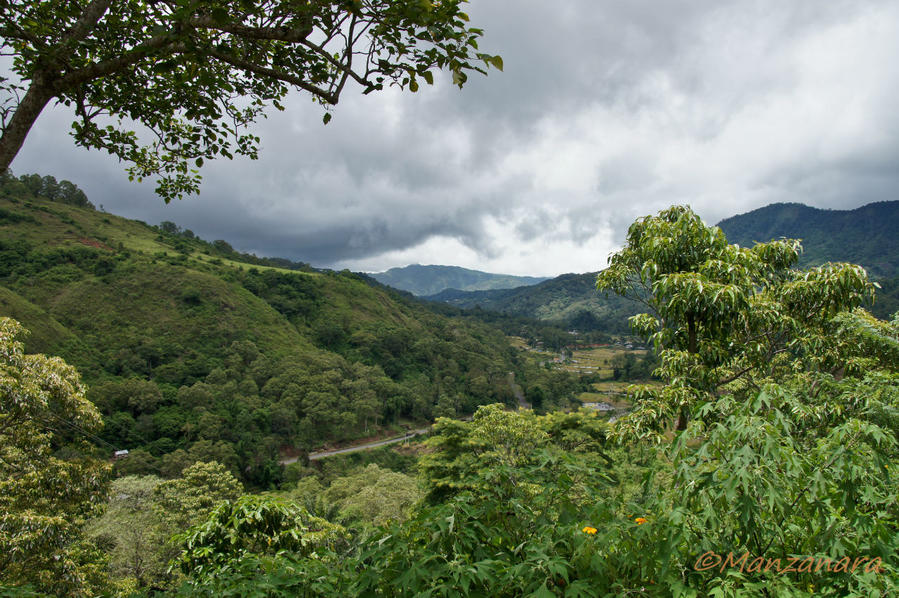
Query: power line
[[78, 428]]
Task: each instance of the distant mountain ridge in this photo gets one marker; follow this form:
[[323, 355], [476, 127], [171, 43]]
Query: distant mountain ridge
[[570, 300], [429, 280], [866, 236]]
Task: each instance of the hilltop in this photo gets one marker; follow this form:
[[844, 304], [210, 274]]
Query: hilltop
[[429, 280]]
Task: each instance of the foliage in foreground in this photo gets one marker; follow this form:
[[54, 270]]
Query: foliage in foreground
[[46, 494], [763, 468]]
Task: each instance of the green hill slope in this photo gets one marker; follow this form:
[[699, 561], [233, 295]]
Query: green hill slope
[[429, 280], [193, 354], [570, 300], [866, 235]]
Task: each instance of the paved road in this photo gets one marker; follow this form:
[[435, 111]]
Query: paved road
[[358, 447], [516, 390]]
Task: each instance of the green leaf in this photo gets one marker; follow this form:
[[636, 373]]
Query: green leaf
[[220, 15]]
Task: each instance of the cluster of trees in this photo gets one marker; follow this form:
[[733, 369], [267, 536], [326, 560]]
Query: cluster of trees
[[627, 366], [244, 411], [185, 241], [143, 512], [44, 187], [552, 335]]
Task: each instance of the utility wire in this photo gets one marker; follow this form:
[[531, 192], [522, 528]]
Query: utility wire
[[78, 428]]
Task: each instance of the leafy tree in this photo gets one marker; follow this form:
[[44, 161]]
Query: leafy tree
[[196, 73], [500, 442], [190, 498], [506, 490], [373, 496], [133, 530], [45, 497], [724, 314], [143, 513], [47, 187], [799, 468], [253, 526], [793, 394], [169, 227]]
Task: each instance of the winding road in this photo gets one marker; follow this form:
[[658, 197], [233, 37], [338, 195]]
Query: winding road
[[516, 390], [358, 447]]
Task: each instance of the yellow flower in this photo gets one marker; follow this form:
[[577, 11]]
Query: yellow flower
[[589, 530], [640, 520]]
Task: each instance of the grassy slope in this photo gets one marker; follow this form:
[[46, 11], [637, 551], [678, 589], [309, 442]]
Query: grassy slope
[[164, 293], [143, 294], [46, 335]]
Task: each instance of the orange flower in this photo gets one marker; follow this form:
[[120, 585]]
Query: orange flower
[[640, 520], [589, 530]]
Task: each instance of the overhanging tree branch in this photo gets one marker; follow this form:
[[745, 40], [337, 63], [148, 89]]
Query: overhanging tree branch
[[245, 65], [167, 65]]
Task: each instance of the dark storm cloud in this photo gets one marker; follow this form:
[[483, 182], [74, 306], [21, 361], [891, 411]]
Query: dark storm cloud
[[606, 111]]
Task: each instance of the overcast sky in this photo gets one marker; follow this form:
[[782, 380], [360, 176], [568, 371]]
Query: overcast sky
[[606, 111]]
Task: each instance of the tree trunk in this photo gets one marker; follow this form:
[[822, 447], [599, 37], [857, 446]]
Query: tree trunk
[[691, 348], [37, 97], [682, 419]]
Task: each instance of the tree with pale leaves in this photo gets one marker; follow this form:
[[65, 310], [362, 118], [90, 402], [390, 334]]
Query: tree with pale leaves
[[45, 498]]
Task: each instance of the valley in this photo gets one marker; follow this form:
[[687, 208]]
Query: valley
[[263, 398], [425, 299]]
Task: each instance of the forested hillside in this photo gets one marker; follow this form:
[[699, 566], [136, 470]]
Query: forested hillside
[[430, 280], [570, 300], [195, 352], [865, 236]]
